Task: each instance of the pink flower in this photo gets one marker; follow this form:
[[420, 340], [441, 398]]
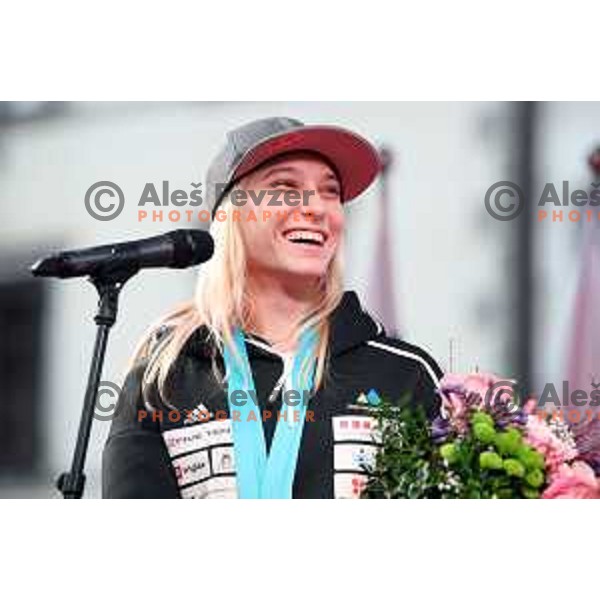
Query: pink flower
[[472, 383], [531, 405], [542, 436], [464, 393], [575, 481]]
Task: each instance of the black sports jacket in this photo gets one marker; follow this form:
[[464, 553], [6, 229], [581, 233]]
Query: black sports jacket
[[187, 452]]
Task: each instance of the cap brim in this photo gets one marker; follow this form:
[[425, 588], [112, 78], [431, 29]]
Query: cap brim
[[356, 160]]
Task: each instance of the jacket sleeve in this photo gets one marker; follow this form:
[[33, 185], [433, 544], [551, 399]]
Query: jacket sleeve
[[135, 460], [427, 389]]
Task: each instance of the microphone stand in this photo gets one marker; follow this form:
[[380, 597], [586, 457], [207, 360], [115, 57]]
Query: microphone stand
[[108, 285]]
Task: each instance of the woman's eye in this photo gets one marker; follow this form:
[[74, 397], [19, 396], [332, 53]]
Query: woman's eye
[[283, 183], [333, 190]]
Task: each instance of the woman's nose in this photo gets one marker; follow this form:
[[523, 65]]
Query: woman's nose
[[315, 205]]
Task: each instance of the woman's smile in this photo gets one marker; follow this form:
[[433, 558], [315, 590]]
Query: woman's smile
[[307, 241]]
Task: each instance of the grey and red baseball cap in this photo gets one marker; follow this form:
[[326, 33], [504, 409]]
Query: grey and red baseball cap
[[355, 160]]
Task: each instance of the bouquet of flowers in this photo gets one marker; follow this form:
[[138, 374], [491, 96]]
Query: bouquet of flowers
[[486, 443]]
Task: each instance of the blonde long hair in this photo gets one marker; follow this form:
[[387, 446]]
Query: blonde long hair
[[222, 302]]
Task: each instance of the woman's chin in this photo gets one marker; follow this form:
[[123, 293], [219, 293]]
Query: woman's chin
[[306, 268]]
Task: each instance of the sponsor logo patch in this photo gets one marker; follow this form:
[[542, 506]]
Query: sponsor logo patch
[[192, 467], [200, 413], [353, 457], [366, 401], [223, 460], [348, 485], [198, 437], [357, 428], [211, 489]]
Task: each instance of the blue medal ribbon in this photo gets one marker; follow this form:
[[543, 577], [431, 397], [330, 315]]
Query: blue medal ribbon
[[259, 475]]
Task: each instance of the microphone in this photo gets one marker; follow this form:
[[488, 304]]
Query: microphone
[[177, 250]]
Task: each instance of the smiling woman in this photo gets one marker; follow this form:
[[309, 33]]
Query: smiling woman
[[269, 316]]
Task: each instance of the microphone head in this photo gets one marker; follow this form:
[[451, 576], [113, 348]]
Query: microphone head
[[177, 249], [47, 267], [191, 247]]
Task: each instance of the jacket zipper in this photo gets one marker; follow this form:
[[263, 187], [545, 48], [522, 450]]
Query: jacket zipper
[[287, 365]]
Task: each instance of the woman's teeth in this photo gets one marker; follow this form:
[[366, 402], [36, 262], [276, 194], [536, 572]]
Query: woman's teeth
[[303, 236]]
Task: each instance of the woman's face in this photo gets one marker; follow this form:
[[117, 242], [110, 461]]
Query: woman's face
[[292, 241]]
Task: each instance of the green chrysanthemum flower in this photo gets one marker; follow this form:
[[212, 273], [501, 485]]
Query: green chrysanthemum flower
[[490, 461], [483, 418], [484, 432], [509, 442], [534, 478], [449, 452], [531, 458], [530, 492], [513, 467]]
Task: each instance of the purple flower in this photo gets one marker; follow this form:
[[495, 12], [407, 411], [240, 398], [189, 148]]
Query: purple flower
[[440, 429]]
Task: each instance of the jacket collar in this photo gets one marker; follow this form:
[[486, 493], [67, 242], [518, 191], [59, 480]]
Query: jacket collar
[[351, 325]]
